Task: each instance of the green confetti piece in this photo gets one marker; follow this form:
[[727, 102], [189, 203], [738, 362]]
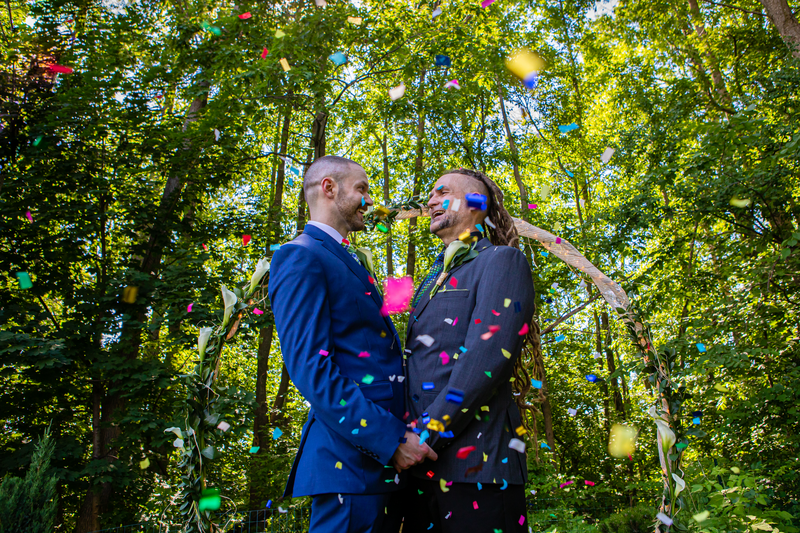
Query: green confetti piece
[[380, 227], [24, 280], [255, 449], [209, 500], [37, 140], [367, 379], [488, 373], [342, 402], [681, 445]]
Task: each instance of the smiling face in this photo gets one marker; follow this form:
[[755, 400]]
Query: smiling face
[[348, 197], [448, 224]]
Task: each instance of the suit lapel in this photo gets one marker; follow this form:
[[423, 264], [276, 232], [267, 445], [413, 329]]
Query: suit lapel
[[482, 245]]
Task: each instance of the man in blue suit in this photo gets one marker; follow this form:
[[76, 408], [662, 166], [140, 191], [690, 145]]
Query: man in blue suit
[[344, 357]]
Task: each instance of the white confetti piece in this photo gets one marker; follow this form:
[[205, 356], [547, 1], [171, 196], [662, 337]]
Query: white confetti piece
[[667, 521], [224, 426], [606, 157], [397, 92], [427, 340], [436, 13], [456, 205], [572, 412], [517, 445], [216, 134], [400, 379]]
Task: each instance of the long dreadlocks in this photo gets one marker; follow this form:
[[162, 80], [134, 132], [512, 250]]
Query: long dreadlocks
[[504, 233]]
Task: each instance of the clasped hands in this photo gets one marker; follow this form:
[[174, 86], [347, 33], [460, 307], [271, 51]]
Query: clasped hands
[[410, 453]]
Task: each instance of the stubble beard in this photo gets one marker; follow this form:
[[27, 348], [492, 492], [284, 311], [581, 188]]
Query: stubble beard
[[349, 212]]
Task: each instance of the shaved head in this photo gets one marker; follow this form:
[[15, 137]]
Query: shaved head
[[328, 166]]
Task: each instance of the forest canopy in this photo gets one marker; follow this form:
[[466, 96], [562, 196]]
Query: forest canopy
[[153, 152]]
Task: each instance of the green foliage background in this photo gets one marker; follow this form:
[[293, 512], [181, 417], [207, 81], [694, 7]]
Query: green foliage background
[[129, 185]]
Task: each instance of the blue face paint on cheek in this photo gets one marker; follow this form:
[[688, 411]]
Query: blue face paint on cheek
[[363, 202]]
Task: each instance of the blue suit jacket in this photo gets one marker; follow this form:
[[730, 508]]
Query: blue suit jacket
[[323, 301]]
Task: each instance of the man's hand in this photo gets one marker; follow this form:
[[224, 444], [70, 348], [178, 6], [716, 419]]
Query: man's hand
[[410, 452]]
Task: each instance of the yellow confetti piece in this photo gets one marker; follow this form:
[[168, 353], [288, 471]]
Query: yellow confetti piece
[[485, 408], [465, 237], [363, 423], [285, 65], [506, 353], [522, 62], [354, 20], [443, 485], [720, 387], [506, 302], [521, 431], [129, 294], [144, 464], [485, 457], [446, 419], [455, 356], [511, 380], [383, 334], [622, 441], [740, 202], [435, 425], [279, 34], [701, 517], [339, 465], [735, 469]]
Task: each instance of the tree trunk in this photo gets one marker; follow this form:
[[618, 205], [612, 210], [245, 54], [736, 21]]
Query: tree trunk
[[131, 335], [411, 259], [619, 406], [261, 437], [274, 217], [784, 20], [280, 398], [716, 75], [512, 145], [385, 153]]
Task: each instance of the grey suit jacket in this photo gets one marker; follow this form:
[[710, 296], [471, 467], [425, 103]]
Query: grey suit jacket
[[493, 289]]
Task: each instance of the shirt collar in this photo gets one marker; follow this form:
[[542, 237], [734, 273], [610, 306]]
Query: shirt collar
[[335, 235]]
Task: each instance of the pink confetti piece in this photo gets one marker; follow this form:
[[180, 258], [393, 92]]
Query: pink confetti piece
[[257, 311], [524, 330], [454, 282], [364, 354], [558, 240], [590, 483], [486, 3], [475, 505], [29, 216], [455, 321], [521, 519], [324, 352], [445, 358], [205, 247], [565, 484], [61, 69], [189, 308], [495, 313], [494, 329], [532, 206], [464, 452], [245, 239], [448, 483], [264, 53], [398, 293], [245, 16], [452, 84]]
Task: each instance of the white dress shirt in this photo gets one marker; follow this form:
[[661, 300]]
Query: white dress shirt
[[335, 235]]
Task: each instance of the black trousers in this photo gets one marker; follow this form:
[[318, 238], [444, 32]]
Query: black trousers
[[462, 509]]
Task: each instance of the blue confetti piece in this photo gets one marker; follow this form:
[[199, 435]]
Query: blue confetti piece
[[276, 433], [560, 338], [426, 418], [570, 174], [430, 526], [591, 378], [274, 247], [545, 254], [290, 181], [363, 202], [504, 461], [544, 445], [697, 413], [531, 80], [463, 350], [442, 61], [536, 384], [295, 171], [480, 228], [696, 420], [355, 431], [269, 504], [455, 396], [476, 201], [701, 347], [338, 58], [480, 486], [568, 128], [341, 420], [423, 437], [427, 385], [446, 434], [505, 485]]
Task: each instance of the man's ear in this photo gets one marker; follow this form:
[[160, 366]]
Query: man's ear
[[328, 187]]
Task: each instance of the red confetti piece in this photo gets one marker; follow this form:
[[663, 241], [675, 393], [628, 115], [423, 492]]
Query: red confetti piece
[[454, 282], [159, 96], [264, 53], [371, 279], [477, 320], [61, 69], [495, 313], [464, 452], [524, 330], [245, 239], [323, 352], [205, 247], [364, 354], [245, 16], [345, 242], [494, 329], [430, 474], [258, 311], [406, 415]]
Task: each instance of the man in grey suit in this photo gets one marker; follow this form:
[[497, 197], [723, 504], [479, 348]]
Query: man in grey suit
[[466, 331]]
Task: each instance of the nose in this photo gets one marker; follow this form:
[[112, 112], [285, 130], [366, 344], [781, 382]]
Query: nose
[[432, 202], [368, 199]]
